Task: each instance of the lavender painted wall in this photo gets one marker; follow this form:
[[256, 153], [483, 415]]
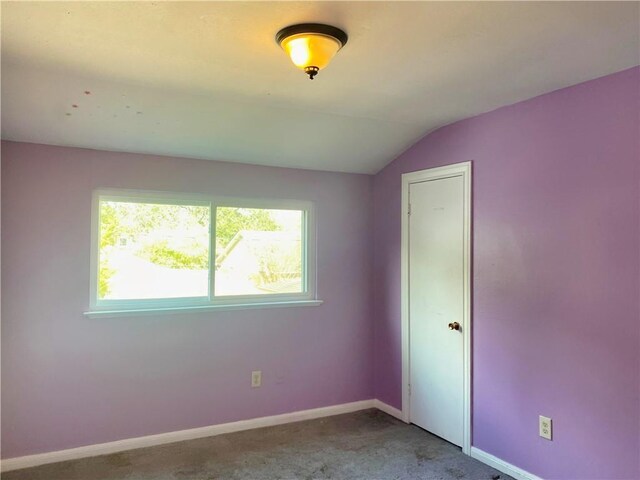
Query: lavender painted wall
[[556, 276], [69, 381]]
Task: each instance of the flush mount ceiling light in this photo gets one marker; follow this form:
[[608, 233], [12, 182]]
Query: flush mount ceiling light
[[311, 46]]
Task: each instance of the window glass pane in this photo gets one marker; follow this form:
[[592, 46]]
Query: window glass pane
[[258, 251], [153, 251]]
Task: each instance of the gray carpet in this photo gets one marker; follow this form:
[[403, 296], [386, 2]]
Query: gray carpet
[[365, 445]]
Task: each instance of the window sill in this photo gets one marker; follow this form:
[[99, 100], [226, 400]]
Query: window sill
[[199, 308]]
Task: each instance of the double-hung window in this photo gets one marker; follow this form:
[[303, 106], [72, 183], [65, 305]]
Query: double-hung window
[[156, 251]]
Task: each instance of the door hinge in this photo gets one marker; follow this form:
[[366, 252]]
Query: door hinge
[[409, 210], [409, 388]]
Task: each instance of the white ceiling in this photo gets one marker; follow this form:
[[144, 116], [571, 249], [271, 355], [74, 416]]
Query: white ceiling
[[206, 79]]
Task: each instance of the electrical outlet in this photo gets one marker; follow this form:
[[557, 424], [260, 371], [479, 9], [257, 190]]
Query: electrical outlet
[[545, 427], [256, 378]]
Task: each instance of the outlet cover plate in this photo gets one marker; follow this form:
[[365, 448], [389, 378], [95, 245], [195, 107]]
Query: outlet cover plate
[[546, 427], [256, 378]]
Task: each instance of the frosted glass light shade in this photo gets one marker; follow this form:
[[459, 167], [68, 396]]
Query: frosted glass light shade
[[308, 50], [311, 46]]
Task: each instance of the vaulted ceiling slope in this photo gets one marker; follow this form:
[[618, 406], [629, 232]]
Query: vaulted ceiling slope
[[207, 80]]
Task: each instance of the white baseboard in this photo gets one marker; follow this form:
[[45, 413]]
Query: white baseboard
[[171, 437], [501, 465], [386, 408], [209, 431]]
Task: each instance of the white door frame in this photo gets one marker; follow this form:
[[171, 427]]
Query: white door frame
[[456, 170]]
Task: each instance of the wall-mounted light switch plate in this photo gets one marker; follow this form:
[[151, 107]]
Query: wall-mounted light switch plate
[[545, 427]]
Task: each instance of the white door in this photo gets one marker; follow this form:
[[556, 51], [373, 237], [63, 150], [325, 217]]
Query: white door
[[436, 305]]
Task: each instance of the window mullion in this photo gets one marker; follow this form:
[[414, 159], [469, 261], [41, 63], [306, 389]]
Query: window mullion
[[212, 250]]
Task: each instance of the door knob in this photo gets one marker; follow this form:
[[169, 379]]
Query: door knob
[[454, 326]]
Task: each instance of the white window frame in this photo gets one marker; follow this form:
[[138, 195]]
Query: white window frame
[[109, 308]]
